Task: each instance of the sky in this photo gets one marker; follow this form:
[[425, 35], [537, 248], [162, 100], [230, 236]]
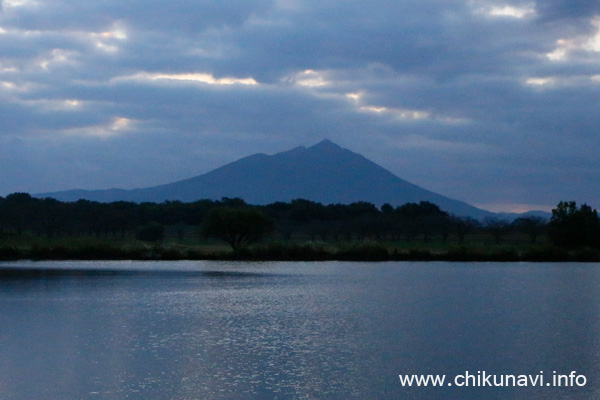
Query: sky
[[495, 103]]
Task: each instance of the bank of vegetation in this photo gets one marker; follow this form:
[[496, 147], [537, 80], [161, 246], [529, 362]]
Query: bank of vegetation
[[230, 229]]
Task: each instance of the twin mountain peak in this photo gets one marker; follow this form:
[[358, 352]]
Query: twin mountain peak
[[325, 173]]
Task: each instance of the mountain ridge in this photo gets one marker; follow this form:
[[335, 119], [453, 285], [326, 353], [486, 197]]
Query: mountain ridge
[[325, 172]]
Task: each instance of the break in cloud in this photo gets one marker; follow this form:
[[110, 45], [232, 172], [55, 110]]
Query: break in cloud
[[490, 102]]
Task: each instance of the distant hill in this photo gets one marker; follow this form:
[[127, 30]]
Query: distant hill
[[325, 172], [545, 215]]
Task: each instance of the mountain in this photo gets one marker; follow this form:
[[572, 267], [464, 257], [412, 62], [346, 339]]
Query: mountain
[[545, 215], [325, 172]]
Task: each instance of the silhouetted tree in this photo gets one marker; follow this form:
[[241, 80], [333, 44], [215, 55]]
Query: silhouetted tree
[[532, 226], [387, 208], [302, 210], [574, 227], [280, 212], [19, 209], [3, 214], [497, 227], [463, 226], [234, 202], [420, 219], [48, 216], [120, 217], [237, 226]]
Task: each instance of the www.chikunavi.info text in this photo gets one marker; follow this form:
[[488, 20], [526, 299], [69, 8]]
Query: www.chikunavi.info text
[[485, 379]]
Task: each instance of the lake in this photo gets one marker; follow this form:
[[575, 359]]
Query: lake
[[283, 330]]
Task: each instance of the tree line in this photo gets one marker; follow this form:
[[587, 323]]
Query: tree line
[[237, 223]]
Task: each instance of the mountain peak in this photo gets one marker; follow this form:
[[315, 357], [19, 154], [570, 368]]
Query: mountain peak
[[325, 144], [325, 172]]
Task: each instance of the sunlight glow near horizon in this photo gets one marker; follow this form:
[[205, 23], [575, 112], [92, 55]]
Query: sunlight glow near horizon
[[516, 208]]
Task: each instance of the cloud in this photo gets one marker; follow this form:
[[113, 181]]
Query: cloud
[[487, 101], [560, 10], [162, 15]]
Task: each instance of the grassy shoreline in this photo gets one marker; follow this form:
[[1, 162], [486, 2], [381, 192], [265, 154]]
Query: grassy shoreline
[[102, 249]]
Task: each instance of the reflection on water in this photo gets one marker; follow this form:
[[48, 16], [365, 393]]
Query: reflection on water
[[218, 330]]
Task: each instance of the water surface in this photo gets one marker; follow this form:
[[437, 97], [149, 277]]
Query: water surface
[[330, 330]]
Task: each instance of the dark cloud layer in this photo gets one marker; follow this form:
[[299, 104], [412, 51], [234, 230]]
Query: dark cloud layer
[[567, 9], [491, 102]]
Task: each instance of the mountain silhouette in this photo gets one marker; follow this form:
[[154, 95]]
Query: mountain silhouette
[[325, 172]]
